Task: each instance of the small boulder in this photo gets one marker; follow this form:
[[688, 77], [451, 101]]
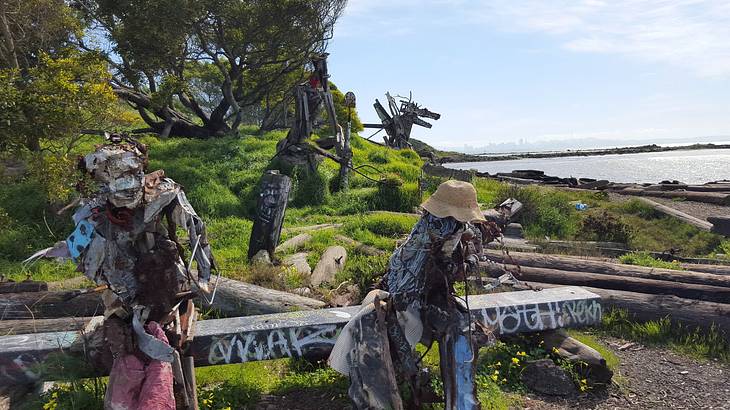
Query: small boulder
[[294, 243], [348, 296], [332, 261], [544, 376], [261, 258], [299, 262]]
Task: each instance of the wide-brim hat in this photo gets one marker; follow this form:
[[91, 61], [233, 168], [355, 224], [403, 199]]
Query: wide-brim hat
[[457, 199]]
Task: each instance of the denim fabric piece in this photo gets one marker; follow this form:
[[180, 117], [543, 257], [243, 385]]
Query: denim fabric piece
[[79, 240], [406, 267]]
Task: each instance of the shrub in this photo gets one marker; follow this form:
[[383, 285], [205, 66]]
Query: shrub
[[310, 188], [544, 212], [603, 226], [394, 195]]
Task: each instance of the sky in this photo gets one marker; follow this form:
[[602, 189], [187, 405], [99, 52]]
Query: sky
[[542, 70]]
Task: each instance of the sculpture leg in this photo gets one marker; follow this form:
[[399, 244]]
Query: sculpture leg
[[458, 360]]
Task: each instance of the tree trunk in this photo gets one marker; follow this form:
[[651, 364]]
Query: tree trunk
[[633, 284], [645, 307], [607, 268]]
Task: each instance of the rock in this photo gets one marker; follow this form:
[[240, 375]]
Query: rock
[[294, 243], [332, 261], [261, 258], [302, 291], [299, 262], [349, 296], [585, 358], [544, 376]]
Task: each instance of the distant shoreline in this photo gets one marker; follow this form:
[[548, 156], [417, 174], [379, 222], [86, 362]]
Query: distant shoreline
[[452, 157]]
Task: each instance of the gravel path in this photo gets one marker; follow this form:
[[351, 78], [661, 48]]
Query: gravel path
[[652, 378], [699, 210]]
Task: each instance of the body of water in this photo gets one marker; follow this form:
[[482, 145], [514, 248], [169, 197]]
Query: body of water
[[692, 166]]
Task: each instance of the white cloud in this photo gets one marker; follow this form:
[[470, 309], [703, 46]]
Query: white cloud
[[693, 35]]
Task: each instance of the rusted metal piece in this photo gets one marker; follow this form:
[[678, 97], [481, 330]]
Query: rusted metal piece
[[399, 120]]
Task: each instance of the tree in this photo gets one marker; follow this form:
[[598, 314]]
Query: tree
[[194, 67], [54, 101]]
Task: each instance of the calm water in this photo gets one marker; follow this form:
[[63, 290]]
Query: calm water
[[692, 167]]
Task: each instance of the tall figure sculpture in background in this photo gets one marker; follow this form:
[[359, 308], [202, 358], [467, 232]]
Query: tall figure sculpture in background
[[125, 241], [309, 97], [399, 122], [418, 303]]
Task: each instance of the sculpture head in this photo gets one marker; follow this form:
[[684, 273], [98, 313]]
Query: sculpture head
[[119, 170]]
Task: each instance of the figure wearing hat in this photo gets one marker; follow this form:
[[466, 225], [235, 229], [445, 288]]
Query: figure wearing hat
[[376, 349], [125, 241]]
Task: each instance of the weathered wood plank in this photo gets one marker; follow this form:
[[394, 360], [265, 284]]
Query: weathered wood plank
[[24, 286], [236, 298], [26, 326], [697, 222], [296, 334], [42, 305]]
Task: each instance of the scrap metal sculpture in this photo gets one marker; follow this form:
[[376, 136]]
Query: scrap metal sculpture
[[125, 241], [399, 122], [418, 303], [309, 97]]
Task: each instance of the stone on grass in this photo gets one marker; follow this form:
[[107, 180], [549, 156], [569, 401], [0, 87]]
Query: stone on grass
[[332, 261], [261, 258], [299, 262], [544, 376], [294, 243]]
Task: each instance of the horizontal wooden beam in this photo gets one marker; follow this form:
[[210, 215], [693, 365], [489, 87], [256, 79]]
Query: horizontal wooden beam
[[305, 333]]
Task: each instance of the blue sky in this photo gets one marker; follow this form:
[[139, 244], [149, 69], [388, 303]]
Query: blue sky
[[503, 71]]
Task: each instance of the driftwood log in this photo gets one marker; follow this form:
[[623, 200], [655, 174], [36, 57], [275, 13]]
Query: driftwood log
[[575, 264], [706, 197], [26, 326], [24, 286], [697, 222], [43, 305], [235, 298], [643, 307], [633, 284]]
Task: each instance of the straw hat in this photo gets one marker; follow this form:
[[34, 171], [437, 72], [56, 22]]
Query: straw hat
[[457, 199]]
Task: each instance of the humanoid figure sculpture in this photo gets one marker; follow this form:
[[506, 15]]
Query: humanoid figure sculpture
[[125, 241], [418, 303]]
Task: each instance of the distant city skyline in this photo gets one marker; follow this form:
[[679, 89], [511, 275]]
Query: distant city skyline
[[506, 71]]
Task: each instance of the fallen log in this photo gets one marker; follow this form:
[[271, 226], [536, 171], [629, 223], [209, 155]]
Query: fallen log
[[705, 268], [44, 305], [306, 334], [235, 298], [647, 307], [575, 264], [311, 228], [27, 326], [632, 284], [706, 197], [24, 286], [697, 222]]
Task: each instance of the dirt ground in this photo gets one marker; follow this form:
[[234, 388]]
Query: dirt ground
[[648, 378]]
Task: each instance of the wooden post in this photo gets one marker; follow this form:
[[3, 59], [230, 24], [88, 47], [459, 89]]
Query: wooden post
[[346, 153], [270, 209]]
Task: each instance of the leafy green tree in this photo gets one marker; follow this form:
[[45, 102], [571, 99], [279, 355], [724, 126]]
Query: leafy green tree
[[194, 67], [54, 101]]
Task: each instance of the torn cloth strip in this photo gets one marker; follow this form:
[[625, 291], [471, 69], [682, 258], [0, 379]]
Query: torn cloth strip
[[136, 385]]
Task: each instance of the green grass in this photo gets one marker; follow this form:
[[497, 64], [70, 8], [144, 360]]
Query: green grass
[[644, 259], [704, 344]]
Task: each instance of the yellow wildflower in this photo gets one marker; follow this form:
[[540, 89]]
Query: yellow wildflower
[[498, 364], [523, 354], [496, 372], [504, 381], [515, 360], [494, 377]]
